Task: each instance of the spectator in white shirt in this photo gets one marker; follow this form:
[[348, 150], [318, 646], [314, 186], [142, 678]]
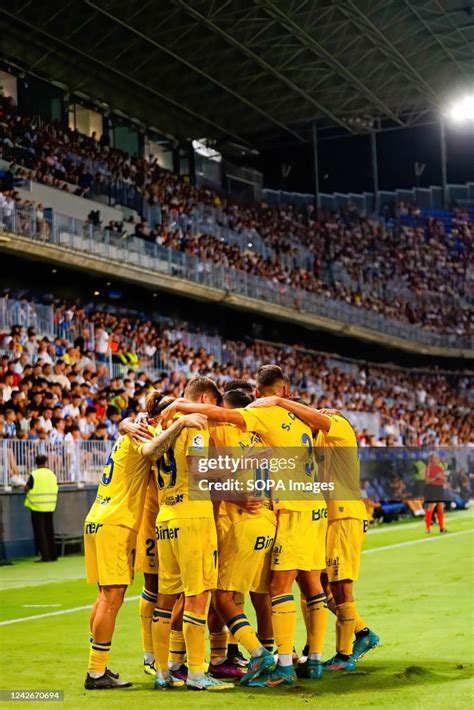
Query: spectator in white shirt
[[20, 364], [73, 409], [88, 423], [46, 420], [59, 376], [43, 354], [7, 386], [101, 344], [56, 435], [71, 440]]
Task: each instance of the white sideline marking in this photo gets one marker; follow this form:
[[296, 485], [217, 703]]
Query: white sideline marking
[[417, 542], [39, 606], [57, 613], [448, 536]]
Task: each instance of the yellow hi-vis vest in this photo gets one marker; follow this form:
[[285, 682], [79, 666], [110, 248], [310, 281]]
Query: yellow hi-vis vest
[[44, 494]]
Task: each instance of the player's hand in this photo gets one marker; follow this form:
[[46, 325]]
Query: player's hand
[[329, 412], [266, 402], [195, 421], [137, 431], [168, 414]]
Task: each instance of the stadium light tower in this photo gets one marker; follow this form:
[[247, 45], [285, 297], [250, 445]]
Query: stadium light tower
[[461, 112]]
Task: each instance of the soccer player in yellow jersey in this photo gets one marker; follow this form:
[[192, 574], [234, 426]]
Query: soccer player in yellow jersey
[[299, 549], [146, 557], [140, 432], [338, 462], [245, 536], [110, 533], [187, 550]]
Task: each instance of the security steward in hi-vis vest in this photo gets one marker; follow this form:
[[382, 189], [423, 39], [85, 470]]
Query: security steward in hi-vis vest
[[41, 498]]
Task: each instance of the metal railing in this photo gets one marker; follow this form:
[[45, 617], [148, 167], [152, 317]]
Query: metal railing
[[425, 197], [44, 319], [27, 315], [214, 221], [72, 462], [78, 236]]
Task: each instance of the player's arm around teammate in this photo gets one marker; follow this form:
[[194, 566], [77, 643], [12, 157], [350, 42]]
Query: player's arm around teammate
[[301, 530]]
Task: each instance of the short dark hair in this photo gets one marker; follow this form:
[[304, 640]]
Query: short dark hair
[[269, 375], [201, 385], [236, 399], [41, 460], [238, 385]]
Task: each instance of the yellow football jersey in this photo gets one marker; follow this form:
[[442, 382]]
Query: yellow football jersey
[[230, 436], [122, 489], [338, 460], [282, 430], [176, 497], [235, 441]]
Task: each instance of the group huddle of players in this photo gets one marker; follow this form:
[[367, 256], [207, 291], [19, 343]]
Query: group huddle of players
[[201, 558]]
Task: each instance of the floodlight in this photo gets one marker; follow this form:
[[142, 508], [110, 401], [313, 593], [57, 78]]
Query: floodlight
[[462, 110]]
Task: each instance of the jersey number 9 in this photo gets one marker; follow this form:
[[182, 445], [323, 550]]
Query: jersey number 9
[[168, 468]]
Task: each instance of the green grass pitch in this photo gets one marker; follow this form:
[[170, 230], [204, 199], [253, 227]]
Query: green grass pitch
[[415, 591]]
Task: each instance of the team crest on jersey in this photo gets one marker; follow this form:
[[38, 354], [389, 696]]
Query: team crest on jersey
[[198, 442]]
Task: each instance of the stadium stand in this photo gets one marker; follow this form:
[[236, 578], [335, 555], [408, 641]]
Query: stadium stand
[[404, 267], [69, 374]]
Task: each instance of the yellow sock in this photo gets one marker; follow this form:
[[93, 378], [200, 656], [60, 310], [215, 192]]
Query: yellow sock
[[267, 643], [160, 630], [304, 611], [242, 631], [194, 630], [218, 642], [317, 612], [146, 607], [284, 622], [177, 650], [346, 617], [98, 657], [359, 623], [331, 603], [239, 600]]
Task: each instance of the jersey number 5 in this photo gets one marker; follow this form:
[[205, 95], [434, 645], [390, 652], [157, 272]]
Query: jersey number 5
[[108, 471]]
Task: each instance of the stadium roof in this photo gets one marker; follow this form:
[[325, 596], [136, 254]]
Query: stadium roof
[[240, 69]]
